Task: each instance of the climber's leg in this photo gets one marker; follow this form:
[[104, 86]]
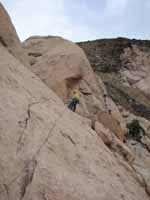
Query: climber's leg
[[71, 105], [74, 106]]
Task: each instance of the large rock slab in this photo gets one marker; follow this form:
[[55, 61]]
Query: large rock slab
[[63, 66], [60, 63], [46, 152]]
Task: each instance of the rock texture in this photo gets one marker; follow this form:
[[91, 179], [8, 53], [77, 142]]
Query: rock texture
[[9, 37], [48, 152], [123, 65], [63, 66]]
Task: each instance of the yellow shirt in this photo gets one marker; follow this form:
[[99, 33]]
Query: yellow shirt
[[76, 96]]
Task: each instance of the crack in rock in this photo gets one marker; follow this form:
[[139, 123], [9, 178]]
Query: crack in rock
[[43, 195], [146, 146], [145, 185], [27, 177], [6, 189], [25, 122], [25, 126], [26, 183], [68, 137], [3, 42]]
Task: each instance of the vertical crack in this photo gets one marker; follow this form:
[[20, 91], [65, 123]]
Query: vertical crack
[[25, 126], [6, 189], [27, 177]]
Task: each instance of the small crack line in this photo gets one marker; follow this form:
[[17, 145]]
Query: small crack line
[[27, 120], [49, 133], [39, 150]]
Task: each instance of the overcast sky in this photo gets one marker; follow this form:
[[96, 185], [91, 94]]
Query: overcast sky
[[81, 20]]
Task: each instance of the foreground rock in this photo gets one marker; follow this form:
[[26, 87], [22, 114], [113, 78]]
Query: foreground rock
[[46, 152]]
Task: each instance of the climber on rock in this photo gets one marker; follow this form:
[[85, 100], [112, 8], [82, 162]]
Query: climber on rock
[[75, 101]]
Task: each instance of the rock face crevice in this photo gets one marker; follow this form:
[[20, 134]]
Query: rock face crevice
[[27, 177], [68, 137], [3, 42], [25, 123]]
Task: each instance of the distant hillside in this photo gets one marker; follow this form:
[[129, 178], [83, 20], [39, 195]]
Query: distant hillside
[[124, 66]]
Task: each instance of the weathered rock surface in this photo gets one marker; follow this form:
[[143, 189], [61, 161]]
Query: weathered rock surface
[[45, 150], [140, 150], [63, 66], [142, 162], [9, 37], [60, 64], [124, 66], [113, 143], [48, 152]]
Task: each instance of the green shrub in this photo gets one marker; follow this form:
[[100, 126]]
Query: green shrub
[[135, 130]]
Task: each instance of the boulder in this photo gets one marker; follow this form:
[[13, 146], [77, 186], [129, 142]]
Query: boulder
[[104, 134], [114, 143], [112, 123], [63, 66]]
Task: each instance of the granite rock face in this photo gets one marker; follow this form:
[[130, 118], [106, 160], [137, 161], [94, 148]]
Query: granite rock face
[[49, 152], [9, 37], [46, 151], [63, 66], [124, 66]]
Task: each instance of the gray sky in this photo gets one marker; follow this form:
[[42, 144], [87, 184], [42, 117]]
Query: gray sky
[[81, 20]]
